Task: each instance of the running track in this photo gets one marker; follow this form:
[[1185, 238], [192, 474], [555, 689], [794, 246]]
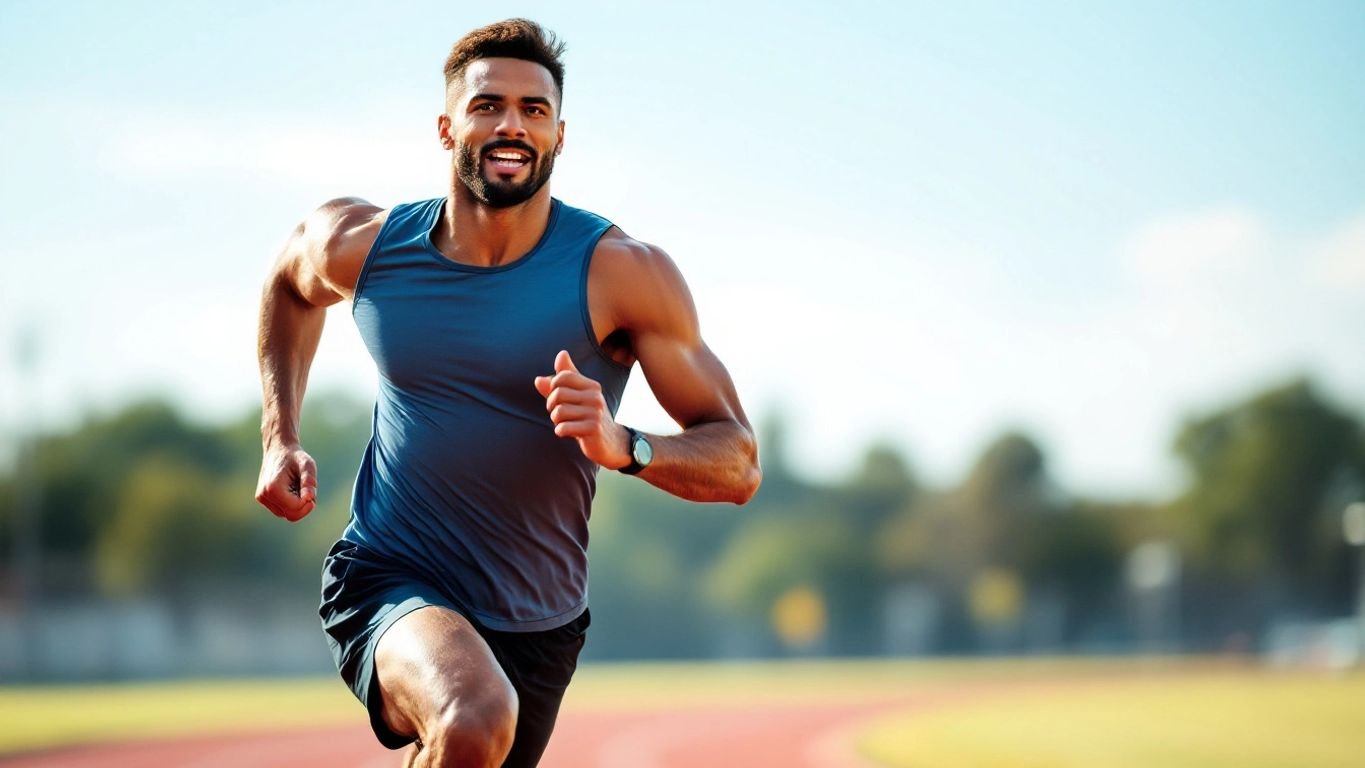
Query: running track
[[790, 736]]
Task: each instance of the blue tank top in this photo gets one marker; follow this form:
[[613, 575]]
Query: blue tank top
[[464, 481]]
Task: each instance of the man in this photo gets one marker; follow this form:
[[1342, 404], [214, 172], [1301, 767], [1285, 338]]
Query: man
[[504, 324]]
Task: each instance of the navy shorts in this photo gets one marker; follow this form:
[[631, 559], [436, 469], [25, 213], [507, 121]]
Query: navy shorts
[[363, 594]]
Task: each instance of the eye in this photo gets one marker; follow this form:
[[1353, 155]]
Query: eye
[[534, 110], [487, 106]]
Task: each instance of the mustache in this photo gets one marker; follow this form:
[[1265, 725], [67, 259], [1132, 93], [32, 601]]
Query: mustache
[[494, 146]]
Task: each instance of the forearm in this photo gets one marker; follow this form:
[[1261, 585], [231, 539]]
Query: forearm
[[714, 461], [290, 329]]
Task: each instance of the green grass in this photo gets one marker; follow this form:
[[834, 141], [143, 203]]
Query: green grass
[[1248, 718], [49, 716]]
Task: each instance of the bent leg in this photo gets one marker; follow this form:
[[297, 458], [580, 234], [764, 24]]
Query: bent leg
[[441, 684], [540, 666]]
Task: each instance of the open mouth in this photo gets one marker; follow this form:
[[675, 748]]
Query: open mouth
[[508, 160]]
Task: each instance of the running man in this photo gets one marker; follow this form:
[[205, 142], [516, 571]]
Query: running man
[[504, 324]]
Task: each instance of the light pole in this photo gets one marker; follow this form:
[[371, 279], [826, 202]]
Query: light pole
[[1353, 530]]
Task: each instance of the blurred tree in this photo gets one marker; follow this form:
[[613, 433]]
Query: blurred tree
[[174, 528], [8, 524], [1256, 509], [780, 481], [1076, 557], [1080, 549], [801, 549], [143, 500], [81, 475], [638, 588], [647, 554], [882, 486], [904, 547], [147, 500], [1003, 499], [769, 556], [992, 527]]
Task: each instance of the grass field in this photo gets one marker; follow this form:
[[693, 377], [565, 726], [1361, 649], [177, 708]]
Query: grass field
[[49, 716], [1249, 718], [1049, 713]]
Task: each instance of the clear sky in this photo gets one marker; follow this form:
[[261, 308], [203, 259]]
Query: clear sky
[[922, 223]]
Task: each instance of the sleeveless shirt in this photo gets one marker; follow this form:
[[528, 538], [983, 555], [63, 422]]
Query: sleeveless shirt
[[464, 482]]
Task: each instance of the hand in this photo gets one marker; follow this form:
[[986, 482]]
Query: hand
[[288, 486], [578, 410]]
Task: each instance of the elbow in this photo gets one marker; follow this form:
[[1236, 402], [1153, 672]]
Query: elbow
[[748, 485], [751, 475]]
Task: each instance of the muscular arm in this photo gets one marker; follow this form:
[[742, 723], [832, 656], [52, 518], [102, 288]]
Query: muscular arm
[[636, 288], [715, 457], [318, 267]]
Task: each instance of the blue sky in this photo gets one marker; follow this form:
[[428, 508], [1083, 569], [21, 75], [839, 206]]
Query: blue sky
[[917, 223]]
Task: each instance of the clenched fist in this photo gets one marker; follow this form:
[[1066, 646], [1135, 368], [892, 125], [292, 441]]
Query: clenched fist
[[288, 486], [579, 411]]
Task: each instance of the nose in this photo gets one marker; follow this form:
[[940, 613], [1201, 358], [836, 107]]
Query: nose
[[511, 124]]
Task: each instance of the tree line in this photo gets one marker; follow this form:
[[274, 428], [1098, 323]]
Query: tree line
[[144, 502]]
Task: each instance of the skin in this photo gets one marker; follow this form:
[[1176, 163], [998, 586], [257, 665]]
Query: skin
[[438, 678]]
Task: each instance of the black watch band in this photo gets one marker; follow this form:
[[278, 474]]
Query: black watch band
[[641, 453]]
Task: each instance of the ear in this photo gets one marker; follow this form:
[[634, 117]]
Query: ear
[[443, 131], [559, 142]]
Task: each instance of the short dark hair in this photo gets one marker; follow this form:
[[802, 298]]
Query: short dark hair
[[512, 39]]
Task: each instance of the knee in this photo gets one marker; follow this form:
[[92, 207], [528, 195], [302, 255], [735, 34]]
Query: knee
[[474, 732]]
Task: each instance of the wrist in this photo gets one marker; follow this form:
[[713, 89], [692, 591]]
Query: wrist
[[620, 448], [278, 434], [279, 443], [640, 452]]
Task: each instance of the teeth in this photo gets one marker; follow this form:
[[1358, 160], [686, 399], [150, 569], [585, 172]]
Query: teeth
[[507, 156]]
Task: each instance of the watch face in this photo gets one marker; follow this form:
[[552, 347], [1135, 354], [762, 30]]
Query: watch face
[[642, 451]]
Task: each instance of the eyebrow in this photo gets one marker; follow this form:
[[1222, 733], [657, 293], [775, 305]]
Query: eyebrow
[[500, 99]]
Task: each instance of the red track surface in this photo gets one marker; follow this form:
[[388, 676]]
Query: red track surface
[[804, 736]]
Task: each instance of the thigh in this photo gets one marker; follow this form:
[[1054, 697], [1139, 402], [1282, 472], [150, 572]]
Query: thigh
[[432, 662], [540, 666]]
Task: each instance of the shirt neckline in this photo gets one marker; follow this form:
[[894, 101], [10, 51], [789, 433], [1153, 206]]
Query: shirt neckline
[[429, 245]]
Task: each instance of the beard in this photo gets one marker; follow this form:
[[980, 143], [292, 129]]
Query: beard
[[499, 193]]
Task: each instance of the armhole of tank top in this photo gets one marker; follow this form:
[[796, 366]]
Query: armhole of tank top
[[369, 257], [583, 301]]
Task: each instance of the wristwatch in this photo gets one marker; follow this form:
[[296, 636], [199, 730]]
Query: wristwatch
[[641, 453]]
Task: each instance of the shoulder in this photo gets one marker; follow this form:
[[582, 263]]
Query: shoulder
[[336, 238], [341, 227], [640, 281], [623, 258]]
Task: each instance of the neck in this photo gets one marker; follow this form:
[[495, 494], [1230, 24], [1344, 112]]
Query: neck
[[471, 232]]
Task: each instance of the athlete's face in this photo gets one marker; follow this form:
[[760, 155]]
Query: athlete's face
[[502, 123]]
